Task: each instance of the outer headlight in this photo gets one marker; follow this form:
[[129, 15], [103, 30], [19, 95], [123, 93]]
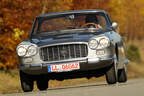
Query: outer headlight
[[104, 42], [93, 43], [21, 51]]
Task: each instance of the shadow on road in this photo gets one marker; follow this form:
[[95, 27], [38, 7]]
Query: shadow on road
[[78, 86], [89, 85]]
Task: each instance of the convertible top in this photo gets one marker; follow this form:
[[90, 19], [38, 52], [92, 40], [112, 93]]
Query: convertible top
[[71, 12]]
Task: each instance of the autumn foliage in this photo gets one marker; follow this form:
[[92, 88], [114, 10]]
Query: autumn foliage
[[16, 17]]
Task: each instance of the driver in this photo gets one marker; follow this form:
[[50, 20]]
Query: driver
[[91, 21]]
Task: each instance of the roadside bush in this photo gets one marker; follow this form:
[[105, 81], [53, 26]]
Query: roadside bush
[[133, 53]]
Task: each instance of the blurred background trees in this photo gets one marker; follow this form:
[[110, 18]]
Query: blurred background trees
[[16, 17]]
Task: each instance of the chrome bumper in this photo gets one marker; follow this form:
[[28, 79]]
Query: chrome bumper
[[94, 62]]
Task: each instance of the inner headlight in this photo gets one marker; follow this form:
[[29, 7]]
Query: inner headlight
[[32, 50], [26, 50], [21, 51], [93, 43], [104, 42]]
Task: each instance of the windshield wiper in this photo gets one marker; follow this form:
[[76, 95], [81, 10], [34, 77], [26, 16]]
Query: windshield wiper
[[70, 27]]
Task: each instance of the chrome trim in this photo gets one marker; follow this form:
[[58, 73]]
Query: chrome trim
[[47, 53], [64, 54], [74, 51], [32, 66], [89, 61], [64, 44], [107, 58], [36, 65], [53, 53], [58, 52], [66, 60], [80, 51], [93, 60], [69, 51]]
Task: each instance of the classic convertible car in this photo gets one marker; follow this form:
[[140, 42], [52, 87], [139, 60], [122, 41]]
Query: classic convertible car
[[72, 44]]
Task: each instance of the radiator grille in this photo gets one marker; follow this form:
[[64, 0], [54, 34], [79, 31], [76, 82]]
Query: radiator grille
[[62, 52]]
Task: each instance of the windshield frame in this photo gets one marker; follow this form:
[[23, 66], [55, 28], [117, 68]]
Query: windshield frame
[[37, 20]]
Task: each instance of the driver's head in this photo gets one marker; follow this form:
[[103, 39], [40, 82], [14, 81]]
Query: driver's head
[[91, 18]]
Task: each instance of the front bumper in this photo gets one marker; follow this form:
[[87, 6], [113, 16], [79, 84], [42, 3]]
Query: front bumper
[[85, 65]]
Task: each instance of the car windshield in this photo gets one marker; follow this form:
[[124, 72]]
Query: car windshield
[[71, 21]]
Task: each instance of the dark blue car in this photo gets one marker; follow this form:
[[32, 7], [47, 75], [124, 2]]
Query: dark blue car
[[72, 44]]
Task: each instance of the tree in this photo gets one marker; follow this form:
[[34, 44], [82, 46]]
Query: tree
[[90, 4], [129, 15]]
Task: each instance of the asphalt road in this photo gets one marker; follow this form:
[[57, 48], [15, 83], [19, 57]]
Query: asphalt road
[[133, 87]]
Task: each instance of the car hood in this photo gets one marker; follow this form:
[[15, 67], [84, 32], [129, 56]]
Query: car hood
[[64, 38]]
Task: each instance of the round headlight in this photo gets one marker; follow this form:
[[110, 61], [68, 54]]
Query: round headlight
[[93, 44], [104, 42], [32, 50], [21, 51]]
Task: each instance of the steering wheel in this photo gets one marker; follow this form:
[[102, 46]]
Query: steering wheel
[[93, 24]]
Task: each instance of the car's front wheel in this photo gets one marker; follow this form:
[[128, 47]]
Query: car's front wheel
[[111, 75], [26, 82], [42, 83], [122, 74]]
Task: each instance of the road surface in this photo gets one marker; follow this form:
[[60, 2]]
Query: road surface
[[133, 87]]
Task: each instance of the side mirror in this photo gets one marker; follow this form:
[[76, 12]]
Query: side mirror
[[114, 25]]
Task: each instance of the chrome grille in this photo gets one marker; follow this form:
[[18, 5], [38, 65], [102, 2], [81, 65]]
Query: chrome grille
[[62, 52]]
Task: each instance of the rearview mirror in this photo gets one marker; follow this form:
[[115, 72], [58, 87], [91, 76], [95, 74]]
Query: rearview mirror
[[114, 25]]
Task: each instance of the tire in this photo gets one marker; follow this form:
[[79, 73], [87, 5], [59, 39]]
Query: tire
[[111, 75], [42, 83], [122, 75], [26, 82]]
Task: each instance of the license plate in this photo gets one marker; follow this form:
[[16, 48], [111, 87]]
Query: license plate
[[64, 67]]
